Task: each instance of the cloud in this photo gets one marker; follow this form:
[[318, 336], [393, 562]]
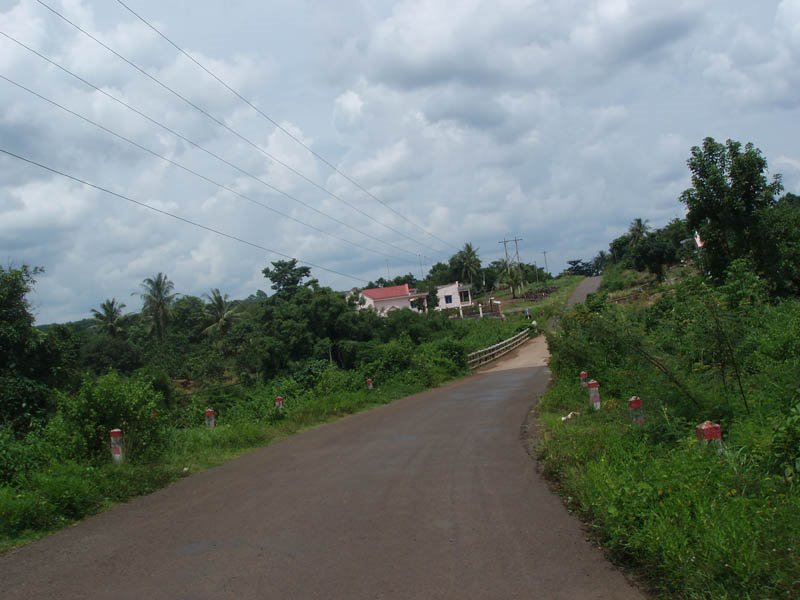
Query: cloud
[[558, 122]]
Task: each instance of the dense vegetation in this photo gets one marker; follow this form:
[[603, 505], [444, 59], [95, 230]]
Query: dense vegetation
[[714, 339], [152, 373]]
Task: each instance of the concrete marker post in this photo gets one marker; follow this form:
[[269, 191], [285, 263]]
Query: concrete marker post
[[370, 383], [636, 410], [117, 446], [211, 418], [594, 394], [709, 433], [279, 404], [584, 378]]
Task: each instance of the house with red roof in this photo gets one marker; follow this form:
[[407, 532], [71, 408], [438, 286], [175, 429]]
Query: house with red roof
[[386, 299]]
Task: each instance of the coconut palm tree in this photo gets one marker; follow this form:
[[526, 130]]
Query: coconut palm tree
[[109, 317], [158, 297], [220, 312], [511, 275], [638, 230], [466, 264]]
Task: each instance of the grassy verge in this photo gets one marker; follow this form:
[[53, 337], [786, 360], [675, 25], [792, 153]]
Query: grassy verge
[[696, 521]]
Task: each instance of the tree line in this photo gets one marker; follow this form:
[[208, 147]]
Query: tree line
[[736, 217]]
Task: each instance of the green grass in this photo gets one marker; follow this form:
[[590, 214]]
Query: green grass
[[694, 521], [50, 491]]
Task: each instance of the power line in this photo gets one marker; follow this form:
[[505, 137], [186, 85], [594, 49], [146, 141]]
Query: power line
[[200, 147], [229, 128], [278, 125], [188, 170], [174, 216]]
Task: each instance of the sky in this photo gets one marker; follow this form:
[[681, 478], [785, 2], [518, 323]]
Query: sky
[[556, 123]]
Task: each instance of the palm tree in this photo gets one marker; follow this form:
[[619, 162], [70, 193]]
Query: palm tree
[[511, 276], [109, 317], [220, 311], [466, 263], [638, 230], [158, 297]]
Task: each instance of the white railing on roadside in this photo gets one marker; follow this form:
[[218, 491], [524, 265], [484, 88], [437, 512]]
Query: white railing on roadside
[[487, 355]]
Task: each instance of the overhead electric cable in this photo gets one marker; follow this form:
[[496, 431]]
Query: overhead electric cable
[[178, 217], [278, 125], [191, 171], [202, 148], [229, 128]]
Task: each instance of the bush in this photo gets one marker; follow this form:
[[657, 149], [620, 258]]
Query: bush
[[110, 402]]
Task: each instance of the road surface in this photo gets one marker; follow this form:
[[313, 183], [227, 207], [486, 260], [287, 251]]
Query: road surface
[[433, 497]]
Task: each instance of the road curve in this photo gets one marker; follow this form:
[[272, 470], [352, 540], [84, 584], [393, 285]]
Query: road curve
[[588, 286], [433, 496]]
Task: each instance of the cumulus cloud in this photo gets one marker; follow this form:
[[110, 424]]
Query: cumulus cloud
[[557, 122]]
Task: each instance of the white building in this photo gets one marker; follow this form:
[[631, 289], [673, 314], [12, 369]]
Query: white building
[[453, 295], [385, 299]]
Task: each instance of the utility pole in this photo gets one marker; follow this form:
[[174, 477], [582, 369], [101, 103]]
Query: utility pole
[[505, 248], [519, 264], [421, 276], [388, 277], [546, 270]]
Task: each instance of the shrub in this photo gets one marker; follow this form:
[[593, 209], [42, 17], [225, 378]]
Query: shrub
[[110, 402]]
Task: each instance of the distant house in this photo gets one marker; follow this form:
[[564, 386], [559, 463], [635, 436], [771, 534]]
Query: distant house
[[453, 295], [386, 299]]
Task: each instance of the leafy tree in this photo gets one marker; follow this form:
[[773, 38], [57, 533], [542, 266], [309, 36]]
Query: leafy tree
[[158, 298], [653, 253], [109, 317], [440, 274], [578, 267], [286, 277], [600, 261], [221, 313], [30, 361], [779, 252], [729, 190]]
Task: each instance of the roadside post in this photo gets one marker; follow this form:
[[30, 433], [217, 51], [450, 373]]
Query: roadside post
[[370, 383], [211, 418], [594, 394], [709, 433], [584, 378], [636, 410], [117, 446], [279, 403]]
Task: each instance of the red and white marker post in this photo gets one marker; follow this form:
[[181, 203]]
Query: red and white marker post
[[636, 410], [117, 446], [279, 403], [594, 394], [370, 383], [709, 433], [584, 378], [211, 418]]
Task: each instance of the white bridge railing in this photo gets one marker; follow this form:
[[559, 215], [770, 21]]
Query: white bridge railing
[[487, 355]]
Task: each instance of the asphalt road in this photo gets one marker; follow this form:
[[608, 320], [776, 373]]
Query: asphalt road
[[433, 496]]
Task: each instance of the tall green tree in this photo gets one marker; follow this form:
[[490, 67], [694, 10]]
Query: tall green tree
[[29, 365], [109, 317], [730, 189], [287, 277], [158, 296], [466, 263], [637, 231], [220, 312]]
